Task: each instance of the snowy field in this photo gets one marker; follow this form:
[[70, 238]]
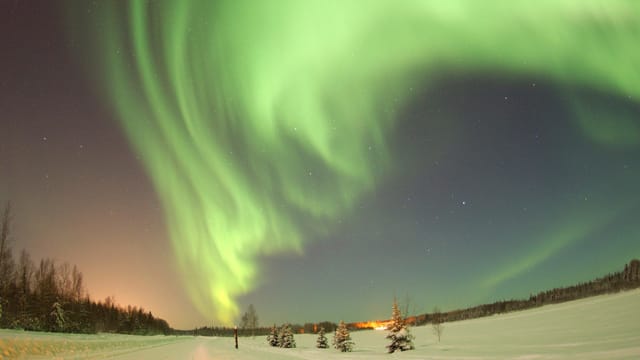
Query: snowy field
[[603, 327]]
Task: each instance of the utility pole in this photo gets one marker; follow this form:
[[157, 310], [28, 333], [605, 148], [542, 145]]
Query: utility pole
[[235, 334]]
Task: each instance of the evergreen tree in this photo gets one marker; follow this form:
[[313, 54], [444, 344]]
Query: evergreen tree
[[321, 343], [272, 338], [401, 338], [57, 317], [51, 297], [342, 339], [285, 337]]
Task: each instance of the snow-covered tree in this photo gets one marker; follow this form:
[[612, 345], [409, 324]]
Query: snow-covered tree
[[272, 338], [57, 316], [401, 338], [321, 343], [285, 337], [342, 339]]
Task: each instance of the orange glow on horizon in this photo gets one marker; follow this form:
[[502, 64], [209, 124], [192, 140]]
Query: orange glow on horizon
[[374, 324]]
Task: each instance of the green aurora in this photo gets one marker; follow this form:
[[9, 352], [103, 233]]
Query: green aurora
[[255, 120]]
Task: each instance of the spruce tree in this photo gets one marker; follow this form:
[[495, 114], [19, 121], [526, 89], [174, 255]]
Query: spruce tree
[[321, 343], [285, 337], [401, 338], [272, 338], [57, 317], [342, 339]]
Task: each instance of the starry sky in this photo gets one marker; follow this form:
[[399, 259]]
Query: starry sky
[[316, 159]]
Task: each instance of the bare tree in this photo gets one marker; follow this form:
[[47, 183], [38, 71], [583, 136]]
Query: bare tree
[[436, 322], [4, 234], [25, 273], [24, 284], [6, 257], [7, 264], [46, 290], [407, 308], [64, 281], [76, 284], [249, 320]]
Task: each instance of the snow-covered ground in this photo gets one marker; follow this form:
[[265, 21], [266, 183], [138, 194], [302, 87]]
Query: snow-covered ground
[[603, 327]]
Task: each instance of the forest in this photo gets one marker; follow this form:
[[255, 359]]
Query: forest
[[46, 296]]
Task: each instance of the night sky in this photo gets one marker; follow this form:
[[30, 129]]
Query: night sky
[[318, 159]]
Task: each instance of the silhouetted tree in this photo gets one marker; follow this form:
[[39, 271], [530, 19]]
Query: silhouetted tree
[[250, 320], [328, 326], [6, 261], [408, 309], [52, 298], [23, 296]]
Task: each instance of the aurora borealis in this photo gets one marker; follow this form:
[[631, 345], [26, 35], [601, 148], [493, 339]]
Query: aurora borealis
[[480, 150]]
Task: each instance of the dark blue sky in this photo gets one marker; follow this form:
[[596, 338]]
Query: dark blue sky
[[496, 189], [501, 197]]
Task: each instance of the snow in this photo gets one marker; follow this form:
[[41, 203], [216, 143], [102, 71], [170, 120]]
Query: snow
[[602, 327]]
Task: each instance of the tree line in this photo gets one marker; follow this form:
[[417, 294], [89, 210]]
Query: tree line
[[47, 296], [307, 328], [627, 279]]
